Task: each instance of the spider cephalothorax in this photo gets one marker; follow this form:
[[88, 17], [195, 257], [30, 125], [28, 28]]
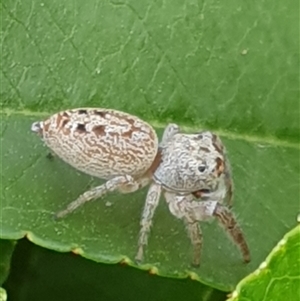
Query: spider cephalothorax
[[193, 166]]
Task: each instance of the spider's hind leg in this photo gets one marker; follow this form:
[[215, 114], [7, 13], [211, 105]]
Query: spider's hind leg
[[99, 191]]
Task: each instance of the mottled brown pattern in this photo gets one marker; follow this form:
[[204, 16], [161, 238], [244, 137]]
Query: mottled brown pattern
[[81, 128], [64, 122], [99, 130], [46, 126], [229, 194], [100, 113], [217, 145], [104, 135], [205, 149], [155, 164], [220, 166]]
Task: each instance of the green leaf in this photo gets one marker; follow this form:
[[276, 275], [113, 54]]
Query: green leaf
[[6, 250], [225, 65], [228, 66], [36, 187], [278, 277], [3, 294]]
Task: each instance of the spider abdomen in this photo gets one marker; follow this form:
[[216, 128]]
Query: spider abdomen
[[100, 142]]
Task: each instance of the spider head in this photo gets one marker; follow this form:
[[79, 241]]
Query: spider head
[[192, 162]]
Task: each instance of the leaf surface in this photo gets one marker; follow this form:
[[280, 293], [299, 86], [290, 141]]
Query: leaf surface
[[278, 277], [6, 250], [230, 67], [221, 65]]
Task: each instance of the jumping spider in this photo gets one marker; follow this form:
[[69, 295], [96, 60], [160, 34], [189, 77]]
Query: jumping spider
[[124, 150]]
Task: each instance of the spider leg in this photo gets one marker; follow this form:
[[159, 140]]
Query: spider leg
[[151, 203], [195, 235], [183, 207], [133, 186], [99, 191], [229, 223], [228, 184], [170, 130], [191, 212]]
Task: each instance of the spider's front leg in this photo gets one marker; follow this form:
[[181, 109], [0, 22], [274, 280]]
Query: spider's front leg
[[195, 235], [153, 196], [151, 203], [191, 212], [204, 210], [170, 130], [126, 183], [228, 183], [229, 223]]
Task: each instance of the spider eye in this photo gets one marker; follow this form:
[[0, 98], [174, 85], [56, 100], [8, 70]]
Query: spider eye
[[202, 168]]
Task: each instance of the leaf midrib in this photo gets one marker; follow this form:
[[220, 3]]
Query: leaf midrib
[[265, 140]]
